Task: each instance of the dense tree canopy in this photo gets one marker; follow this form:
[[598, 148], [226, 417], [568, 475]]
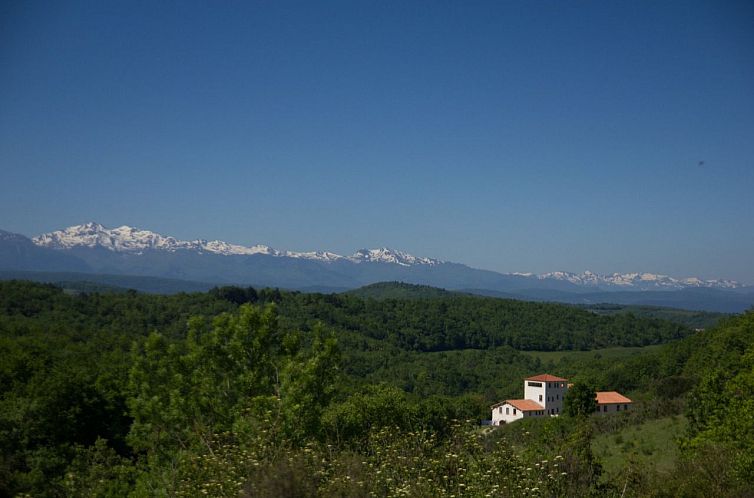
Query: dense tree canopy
[[268, 393], [473, 322]]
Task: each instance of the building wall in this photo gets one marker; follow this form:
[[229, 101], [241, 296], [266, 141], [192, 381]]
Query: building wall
[[505, 414], [548, 394], [612, 408]]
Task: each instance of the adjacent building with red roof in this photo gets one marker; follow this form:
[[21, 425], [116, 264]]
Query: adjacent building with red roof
[[612, 401]]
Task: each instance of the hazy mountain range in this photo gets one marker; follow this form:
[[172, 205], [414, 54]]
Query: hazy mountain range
[[94, 249]]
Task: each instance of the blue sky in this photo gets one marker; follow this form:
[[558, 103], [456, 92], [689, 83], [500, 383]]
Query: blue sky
[[513, 136]]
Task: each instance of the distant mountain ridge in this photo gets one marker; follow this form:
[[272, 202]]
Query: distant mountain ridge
[[126, 239], [134, 240], [92, 249], [643, 281]]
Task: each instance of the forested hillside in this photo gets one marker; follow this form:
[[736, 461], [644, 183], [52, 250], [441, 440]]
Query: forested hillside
[[690, 318], [267, 393], [460, 321]]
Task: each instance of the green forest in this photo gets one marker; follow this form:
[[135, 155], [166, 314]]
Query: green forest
[[261, 392]]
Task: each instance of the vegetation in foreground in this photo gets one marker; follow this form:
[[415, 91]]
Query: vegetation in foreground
[[209, 394], [651, 444]]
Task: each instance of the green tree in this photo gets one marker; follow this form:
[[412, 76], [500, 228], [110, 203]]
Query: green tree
[[580, 400], [308, 384], [183, 391], [721, 411]]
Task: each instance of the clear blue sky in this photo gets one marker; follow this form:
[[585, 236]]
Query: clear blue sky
[[513, 136]]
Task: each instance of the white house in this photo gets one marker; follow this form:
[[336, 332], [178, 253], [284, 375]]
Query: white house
[[514, 409], [543, 396]]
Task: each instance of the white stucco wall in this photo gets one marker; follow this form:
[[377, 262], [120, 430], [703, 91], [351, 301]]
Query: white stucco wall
[[505, 413], [551, 393], [532, 392]]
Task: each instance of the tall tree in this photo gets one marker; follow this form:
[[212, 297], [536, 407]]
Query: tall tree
[[580, 400]]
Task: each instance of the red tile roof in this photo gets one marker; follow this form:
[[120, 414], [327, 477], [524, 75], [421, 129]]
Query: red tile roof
[[525, 405], [546, 378], [607, 397]]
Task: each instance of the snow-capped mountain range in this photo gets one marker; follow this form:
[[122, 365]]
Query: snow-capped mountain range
[[644, 281], [134, 241]]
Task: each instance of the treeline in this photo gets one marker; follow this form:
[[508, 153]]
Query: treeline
[[441, 324]]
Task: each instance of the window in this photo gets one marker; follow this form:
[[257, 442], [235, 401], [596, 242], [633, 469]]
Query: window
[[557, 396], [625, 407], [604, 408], [514, 411], [500, 410], [534, 384], [507, 410], [557, 410], [617, 408], [540, 397]]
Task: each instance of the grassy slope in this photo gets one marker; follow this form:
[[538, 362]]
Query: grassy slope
[[651, 445], [547, 357]]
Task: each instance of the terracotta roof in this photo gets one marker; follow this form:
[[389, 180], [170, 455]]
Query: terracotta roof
[[546, 378], [607, 397], [525, 405]]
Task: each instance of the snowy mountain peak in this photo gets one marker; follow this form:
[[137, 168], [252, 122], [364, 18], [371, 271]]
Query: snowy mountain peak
[[316, 255], [121, 239], [227, 249], [387, 255], [134, 240], [129, 239], [636, 281]]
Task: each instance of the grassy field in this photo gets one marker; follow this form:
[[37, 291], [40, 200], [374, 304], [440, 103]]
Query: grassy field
[[649, 445], [617, 352]]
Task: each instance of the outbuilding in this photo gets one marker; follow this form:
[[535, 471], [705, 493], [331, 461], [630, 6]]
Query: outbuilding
[[612, 402]]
